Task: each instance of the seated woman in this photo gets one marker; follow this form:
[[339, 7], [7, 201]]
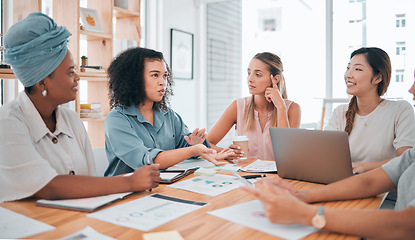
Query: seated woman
[[267, 107], [378, 129], [141, 128], [285, 204], [45, 150]]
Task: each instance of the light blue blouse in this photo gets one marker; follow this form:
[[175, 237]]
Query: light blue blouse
[[129, 137]]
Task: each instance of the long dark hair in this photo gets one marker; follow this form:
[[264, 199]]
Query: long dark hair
[[380, 63]]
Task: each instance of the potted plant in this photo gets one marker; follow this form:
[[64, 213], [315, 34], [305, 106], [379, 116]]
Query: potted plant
[[84, 60]]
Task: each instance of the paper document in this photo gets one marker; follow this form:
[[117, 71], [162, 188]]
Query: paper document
[[191, 164], [226, 167], [251, 214], [87, 233], [210, 185], [261, 166], [147, 212], [15, 225]]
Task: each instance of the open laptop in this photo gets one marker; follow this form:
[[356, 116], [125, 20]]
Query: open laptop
[[311, 155]]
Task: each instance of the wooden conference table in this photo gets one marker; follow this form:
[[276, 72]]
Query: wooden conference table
[[195, 225]]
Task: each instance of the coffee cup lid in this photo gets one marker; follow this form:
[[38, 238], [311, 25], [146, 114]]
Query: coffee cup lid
[[240, 138]]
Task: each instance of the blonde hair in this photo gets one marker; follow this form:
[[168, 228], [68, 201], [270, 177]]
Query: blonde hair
[[381, 65], [276, 68]]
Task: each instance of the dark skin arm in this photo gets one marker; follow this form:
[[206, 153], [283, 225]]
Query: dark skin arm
[[74, 186]]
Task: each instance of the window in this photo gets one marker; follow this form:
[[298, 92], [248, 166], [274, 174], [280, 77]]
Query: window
[[298, 39], [269, 19], [399, 75], [400, 48], [400, 21], [1, 50]]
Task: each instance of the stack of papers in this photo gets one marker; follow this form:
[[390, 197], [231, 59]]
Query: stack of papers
[[261, 166]]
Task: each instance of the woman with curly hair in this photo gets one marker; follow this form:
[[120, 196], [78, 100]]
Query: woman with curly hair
[[141, 128]]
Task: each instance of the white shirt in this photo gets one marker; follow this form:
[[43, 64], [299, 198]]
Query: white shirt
[[28, 157], [377, 136]]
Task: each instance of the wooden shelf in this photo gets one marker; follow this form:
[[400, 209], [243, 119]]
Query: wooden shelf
[[123, 13], [93, 76], [92, 119], [88, 35], [7, 73]]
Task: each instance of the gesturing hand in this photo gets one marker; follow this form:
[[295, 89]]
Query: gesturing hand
[[197, 137], [224, 154], [208, 154]]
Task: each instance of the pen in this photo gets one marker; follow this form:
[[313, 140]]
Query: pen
[[243, 180], [254, 176], [148, 163]]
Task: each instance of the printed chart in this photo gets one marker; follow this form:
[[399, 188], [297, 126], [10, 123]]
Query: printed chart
[[148, 212], [209, 185]]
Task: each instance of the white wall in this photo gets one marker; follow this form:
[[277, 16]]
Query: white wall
[[189, 95]]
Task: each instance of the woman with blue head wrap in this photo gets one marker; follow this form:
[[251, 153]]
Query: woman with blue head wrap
[[45, 150]]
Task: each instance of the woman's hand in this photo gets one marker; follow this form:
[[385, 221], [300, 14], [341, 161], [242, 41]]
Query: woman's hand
[[226, 153], [207, 153], [272, 94], [144, 178], [237, 152], [197, 137], [277, 181], [280, 205], [361, 167]]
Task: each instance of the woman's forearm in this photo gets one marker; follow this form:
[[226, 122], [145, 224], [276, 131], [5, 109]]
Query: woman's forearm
[[379, 224], [354, 187], [171, 157], [75, 186]]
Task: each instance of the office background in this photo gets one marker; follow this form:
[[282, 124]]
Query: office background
[[314, 38]]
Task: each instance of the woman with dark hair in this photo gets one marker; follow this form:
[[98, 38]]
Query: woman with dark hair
[[141, 128], [378, 129], [267, 106], [44, 148]]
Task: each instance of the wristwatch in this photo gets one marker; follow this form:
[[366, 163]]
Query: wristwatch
[[319, 221]]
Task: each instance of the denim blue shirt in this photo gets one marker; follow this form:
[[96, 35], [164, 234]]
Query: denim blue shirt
[[129, 137]]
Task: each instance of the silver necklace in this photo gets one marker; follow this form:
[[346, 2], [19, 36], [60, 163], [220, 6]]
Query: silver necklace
[[362, 118]]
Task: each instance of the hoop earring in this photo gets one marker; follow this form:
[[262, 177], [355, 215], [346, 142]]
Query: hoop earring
[[44, 93]]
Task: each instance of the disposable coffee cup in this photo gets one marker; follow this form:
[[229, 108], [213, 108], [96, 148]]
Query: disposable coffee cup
[[242, 142]]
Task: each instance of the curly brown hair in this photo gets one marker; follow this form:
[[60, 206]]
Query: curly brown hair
[[126, 78]]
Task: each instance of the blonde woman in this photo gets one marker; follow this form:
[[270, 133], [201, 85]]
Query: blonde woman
[[267, 106], [378, 129]]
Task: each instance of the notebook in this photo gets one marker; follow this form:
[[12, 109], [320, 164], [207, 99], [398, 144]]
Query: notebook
[[83, 204], [311, 155], [171, 176]]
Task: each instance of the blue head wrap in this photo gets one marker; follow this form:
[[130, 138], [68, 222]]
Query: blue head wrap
[[34, 47]]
